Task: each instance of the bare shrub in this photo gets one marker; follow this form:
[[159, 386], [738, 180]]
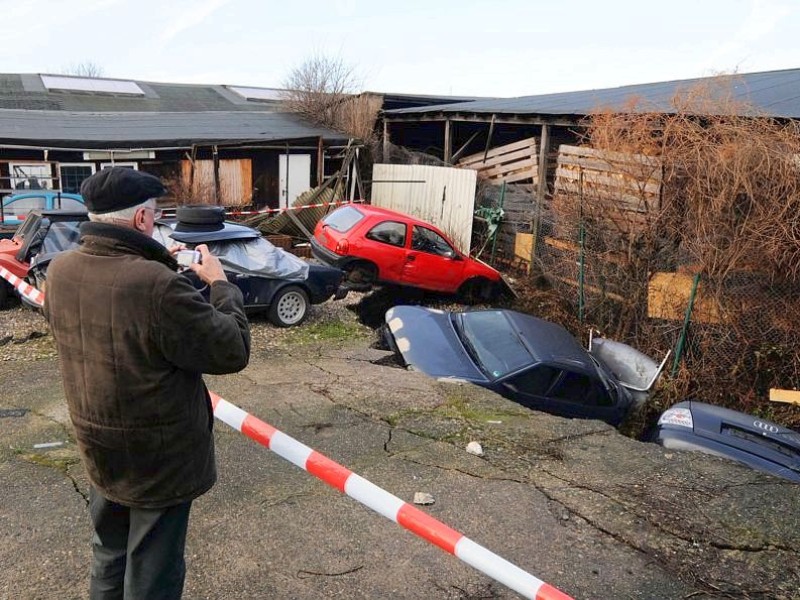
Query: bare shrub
[[86, 68], [323, 90], [182, 193], [728, 208]]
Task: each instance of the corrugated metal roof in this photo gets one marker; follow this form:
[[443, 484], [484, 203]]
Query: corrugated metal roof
[[774, 93], [26, 91], [86, 130]]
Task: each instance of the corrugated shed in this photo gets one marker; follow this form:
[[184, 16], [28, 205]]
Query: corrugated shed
[[774, 93], [153, 130], [442, 196]]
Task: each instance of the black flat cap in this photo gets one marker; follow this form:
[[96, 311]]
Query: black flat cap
[[117, 188]]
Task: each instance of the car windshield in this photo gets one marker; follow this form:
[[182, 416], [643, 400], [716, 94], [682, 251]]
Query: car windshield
[[492, 342], [343, 219]]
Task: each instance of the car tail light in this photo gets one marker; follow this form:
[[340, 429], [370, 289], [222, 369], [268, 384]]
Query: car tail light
[[682, 417], [342, 247]]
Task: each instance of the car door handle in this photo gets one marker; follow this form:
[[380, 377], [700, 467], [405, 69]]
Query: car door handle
[[411, 257]]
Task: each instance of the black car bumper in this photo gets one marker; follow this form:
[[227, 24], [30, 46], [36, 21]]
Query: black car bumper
[[320, 252]]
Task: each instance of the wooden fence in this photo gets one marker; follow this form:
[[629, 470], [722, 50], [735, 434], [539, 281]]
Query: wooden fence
[[512, 163]]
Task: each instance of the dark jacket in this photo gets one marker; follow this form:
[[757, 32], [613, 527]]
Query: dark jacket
[[133, 339]]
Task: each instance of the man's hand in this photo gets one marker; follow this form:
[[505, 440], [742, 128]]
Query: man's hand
[[209, 269]]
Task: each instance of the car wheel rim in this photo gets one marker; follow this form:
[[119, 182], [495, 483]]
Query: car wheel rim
[[291, 308]]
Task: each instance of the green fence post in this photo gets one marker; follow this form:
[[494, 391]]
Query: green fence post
[[684, 330]]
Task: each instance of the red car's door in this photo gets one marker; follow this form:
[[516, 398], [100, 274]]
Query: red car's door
[[385, 244], [432, 262]]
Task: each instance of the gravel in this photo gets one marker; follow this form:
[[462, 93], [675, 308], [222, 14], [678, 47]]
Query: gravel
[[25, 335]]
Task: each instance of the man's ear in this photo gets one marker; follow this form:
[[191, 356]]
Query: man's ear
[[139, 220]]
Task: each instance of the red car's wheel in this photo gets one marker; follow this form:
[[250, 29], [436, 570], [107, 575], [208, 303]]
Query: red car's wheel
[[362, 271], [477, 290]]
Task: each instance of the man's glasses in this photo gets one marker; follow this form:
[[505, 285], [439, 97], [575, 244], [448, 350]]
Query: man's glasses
[[157, 213]]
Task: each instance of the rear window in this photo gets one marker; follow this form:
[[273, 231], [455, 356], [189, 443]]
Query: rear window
[[343, 219]]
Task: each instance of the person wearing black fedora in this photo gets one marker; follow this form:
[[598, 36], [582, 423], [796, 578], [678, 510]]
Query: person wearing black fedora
[[134, 338]]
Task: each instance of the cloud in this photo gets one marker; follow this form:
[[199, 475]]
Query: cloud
[[190, 18]]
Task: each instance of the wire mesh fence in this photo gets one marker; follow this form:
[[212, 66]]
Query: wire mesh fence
[[616, 249]]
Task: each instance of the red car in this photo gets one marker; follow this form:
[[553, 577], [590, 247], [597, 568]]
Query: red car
[[377, 245]]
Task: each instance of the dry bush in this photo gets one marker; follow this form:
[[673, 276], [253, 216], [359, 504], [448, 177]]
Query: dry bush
[[324, 90], [728, 209], [184, 194]]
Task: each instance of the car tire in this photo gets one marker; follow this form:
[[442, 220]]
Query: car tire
[[200, 214], [289, 306], [477, 290], [361, 272]]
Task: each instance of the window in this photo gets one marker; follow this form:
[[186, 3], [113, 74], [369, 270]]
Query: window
[[91, 84], [24, 205], [343, 219], [33, 176], [260, 94], [389, 232], [427, 240], [72, 176], [127, 165], [576, 387], [534, 381], [60, 202]]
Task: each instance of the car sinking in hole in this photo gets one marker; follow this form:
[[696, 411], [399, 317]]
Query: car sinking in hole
[[533, 362]]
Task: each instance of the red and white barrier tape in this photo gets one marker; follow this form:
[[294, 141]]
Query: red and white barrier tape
[[367, 493], [384, 503], [24, 289], [266, 211]]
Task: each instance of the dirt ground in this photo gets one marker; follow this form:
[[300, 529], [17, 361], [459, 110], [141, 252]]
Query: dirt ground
[[597, 514]]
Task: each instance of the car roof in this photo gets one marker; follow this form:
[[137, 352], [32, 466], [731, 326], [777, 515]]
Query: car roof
[[371, 210], [54, 193], [547, 342]]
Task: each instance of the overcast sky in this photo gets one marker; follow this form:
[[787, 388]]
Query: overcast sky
[[500, 48]]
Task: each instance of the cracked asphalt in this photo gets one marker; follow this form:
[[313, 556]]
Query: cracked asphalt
[[573, 502]]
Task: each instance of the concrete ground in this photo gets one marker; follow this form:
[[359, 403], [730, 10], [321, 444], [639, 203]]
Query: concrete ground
[[573, 502]]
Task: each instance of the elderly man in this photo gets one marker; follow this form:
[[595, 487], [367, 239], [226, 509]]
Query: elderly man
[[133, 338]]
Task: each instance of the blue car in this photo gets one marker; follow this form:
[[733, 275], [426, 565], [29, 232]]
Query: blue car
[[753, 441], [17, 206], [272, 280], [528, 360]]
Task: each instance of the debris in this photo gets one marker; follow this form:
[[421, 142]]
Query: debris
[[788, 396], [475, 448], [48, 445], [12, 412], [423, 498]]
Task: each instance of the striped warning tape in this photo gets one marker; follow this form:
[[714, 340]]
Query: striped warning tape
[[384, 503], [367, 493], [266, 211], [24, 289]]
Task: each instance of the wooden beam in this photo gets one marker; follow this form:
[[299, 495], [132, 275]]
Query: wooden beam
[[461, 150], [544, 148], [385, 139], [320, 161], [448, 142], [489, 138], [215, 154]]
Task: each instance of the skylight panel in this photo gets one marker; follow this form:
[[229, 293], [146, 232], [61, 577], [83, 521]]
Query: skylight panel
[[254, 93], [91, 84]]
